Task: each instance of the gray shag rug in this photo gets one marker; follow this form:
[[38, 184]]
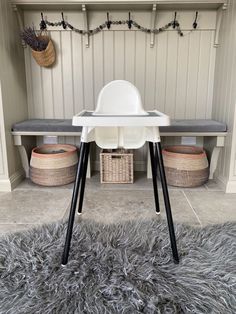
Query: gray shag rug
[[123, 268]]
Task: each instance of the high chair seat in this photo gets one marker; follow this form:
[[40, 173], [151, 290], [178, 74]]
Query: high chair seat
[[120, 121]]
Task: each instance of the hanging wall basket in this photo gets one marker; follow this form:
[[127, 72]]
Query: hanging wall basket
[[47, 57]]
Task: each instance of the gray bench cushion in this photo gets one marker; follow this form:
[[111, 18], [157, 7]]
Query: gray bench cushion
[[65, 125], [46, 125], [200, 125]]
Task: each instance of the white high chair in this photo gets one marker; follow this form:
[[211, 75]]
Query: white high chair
[[120, 121]]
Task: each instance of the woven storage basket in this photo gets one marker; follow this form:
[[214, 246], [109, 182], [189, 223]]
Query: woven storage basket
[[53, 165], [185, 166], [46, 57], [116, 166]]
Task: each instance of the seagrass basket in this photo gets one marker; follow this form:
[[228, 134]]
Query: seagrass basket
[[185, 166], [116, 166], [47, 57], [53, 165]]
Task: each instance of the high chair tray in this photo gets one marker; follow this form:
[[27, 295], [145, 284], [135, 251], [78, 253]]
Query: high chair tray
[[90, 119]]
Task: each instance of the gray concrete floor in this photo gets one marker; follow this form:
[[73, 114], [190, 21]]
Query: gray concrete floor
[[30, 205]]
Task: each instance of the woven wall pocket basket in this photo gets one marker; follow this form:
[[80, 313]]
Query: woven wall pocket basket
[[47, 57], [185, 166], [53, 165]]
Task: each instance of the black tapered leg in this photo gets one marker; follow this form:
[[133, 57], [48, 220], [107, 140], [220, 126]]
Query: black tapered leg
[[154, 176], [167, 203], [74, 203], [85, 166]]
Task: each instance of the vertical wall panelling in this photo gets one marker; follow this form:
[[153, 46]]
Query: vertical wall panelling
[[161, 73], [28, 70], [140, 62], [47, 92], [98, 66], [175, 76], [150, 76], [225, 95], [108, 61], [37, 90], [193, 67], [171, 70], [203, 73], [181, 78], [77, 61], [119, 55], [88, 75], [67, 74], [130, 55], [211, 78]]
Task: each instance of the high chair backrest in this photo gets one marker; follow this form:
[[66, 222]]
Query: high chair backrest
[[119, 98]]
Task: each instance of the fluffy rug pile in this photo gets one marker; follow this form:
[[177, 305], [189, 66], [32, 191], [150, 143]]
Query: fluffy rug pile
[[125, 268]]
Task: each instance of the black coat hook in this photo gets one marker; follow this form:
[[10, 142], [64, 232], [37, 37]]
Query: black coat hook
[[129, 22], [175, 22], [195, 21], [63, 23], [42, 24], [108, 22]]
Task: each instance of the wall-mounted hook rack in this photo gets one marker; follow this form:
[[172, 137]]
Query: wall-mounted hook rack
[[195, 20], [63, 21], [218, 24], [108, 21], [42, 24], [86, 27], [153, 23]]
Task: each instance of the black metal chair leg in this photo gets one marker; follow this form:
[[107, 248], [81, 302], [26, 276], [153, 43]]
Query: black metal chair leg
[[167, 203], [154, 177], [73, 204], [85, 166]]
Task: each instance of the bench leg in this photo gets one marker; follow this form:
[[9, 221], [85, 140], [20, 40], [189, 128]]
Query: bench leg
[[213, 146], [167, 202], [25, 145], [214, 161], [24, 159]]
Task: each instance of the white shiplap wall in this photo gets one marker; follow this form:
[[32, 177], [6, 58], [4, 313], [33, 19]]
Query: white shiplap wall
[[225, 93], [176, 76]]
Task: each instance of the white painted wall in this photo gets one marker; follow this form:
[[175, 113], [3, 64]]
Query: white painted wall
[[13, 101], [225, 95], [176, 76]]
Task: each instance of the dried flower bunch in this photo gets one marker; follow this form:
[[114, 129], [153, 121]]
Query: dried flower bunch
[[34, 40]]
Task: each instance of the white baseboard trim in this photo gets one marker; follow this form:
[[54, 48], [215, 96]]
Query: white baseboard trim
[[228, 186], [231, 187], [9, 184]]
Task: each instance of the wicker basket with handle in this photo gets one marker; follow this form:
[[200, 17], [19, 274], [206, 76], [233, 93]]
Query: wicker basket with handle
[[47, 57], [53, 165], [116, 166], [185, 166]]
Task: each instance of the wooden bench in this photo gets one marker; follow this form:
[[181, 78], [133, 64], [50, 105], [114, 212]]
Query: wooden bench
[[213, 133]]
